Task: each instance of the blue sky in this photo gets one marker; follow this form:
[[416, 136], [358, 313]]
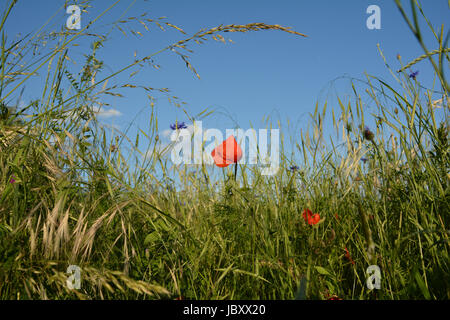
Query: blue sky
[[259, 74]]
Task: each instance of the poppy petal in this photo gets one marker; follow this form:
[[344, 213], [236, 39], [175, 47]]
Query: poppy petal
[[219, 159], [316, 218], [227, 153]]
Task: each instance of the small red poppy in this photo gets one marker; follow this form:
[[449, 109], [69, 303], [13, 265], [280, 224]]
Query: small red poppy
[[311, 218]]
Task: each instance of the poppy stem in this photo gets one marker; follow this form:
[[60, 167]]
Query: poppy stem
[[235, 171]]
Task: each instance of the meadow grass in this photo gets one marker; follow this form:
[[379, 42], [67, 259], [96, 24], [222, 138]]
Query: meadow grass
[[71, 194]]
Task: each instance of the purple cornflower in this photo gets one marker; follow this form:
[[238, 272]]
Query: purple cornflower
[[12, 179], [177, 126], [414, 74], [368, 134], [294, 168]]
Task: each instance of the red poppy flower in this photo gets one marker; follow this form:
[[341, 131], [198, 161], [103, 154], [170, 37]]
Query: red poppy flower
[[334, 297], [347, 255], [227, 153], [311, 218]]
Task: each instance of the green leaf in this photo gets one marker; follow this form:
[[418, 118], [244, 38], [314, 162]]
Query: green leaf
[[151, 237], [322, 271], [422, 285]]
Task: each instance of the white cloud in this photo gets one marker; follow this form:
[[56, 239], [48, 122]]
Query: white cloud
[[166, 133], [106, 113]]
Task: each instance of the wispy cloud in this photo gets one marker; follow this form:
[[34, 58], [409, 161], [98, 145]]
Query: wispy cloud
[[106, 113], [166, 133]]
